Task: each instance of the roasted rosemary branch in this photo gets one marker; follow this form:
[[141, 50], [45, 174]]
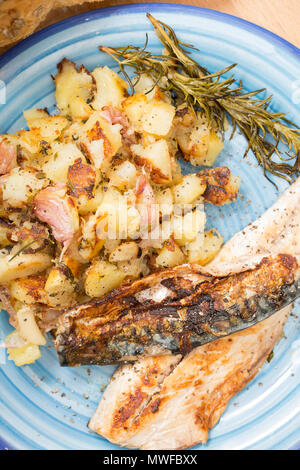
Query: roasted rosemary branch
[[217, 97]]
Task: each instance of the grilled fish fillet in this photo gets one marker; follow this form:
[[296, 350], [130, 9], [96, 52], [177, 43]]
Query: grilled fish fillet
[[170, 402], [173, 314]]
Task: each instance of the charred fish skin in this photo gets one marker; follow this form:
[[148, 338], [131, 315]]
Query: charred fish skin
[[130, 325]]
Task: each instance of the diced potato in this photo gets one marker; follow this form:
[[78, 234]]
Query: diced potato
[[222, 186], [124, 252], [27, 354], [50, 127], [43, 131], [91, 205], [74, 88], [110, 245], [20, 351], [170, 256], [133, 268], [199, 144], [133, 222], [34, 114], [157, 117], [123, 176], [176, 171], [28, 327], [91, 242], [164, 198], [134, 107], [116, 218], [156, 158], [215, 146], [29, 290], [188, 226], [22, 265], [211, 245], [102, 277], [20, 185], [111, 89], [60, 287], [144, 85], [147, 86], [189, 189], [100, 140], [72, 261], [61, 158]]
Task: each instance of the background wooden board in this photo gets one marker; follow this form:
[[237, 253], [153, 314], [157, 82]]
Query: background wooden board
[[280, 16]]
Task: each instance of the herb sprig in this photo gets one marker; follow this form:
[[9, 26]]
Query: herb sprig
[[217, 97]]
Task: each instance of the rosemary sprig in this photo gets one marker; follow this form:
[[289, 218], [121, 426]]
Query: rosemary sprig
[[217, 97]]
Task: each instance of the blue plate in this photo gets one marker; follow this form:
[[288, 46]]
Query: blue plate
[[43, 406]]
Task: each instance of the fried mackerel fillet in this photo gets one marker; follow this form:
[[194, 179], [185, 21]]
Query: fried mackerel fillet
[[171, 402], [176, 313]]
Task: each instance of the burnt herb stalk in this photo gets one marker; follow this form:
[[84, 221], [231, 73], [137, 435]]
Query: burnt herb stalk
[[217, 97]]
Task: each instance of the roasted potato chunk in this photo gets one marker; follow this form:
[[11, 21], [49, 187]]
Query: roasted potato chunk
[[29, 290], [190, 188], [28, 327], [102, 277], [209, 247], [221, 186], [60, 287], [20, 185], [74, 89], [170, 255], [22, 265], [62, 156], [111, 89], [199, 144], [156, 158]]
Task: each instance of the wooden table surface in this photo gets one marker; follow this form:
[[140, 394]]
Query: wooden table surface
[[280, 16]]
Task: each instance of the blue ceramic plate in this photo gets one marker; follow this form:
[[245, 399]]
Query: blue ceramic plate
[[43, 406]]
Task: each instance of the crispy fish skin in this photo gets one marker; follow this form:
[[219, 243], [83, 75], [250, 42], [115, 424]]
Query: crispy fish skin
[[173, 315]]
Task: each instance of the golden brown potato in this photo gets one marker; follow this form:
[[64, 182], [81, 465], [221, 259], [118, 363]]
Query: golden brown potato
[[60, 287], [221, 186], [22, 265], [124, 252], [170, 255], [21, 185], [157, 118], [156, 158], [123, 176], [28, 327], [190, 188], [198, 142], [211, 245], [99, 140], [60, 158], [74, 89], [102, 277], [133, 107], [29, 290], [111, 89]]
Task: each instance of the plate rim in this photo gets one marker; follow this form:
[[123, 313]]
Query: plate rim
[[31, 40], [128, 9]]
